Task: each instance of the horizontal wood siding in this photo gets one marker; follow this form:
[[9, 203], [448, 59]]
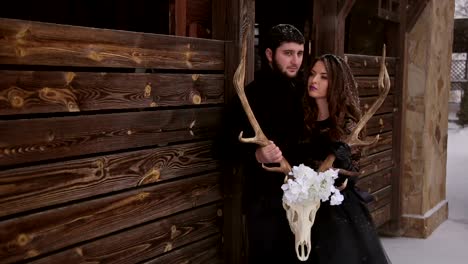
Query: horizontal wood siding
[[202, 252], [34, 43], [26, 92], [376, 163], [148, 240], [49, 230], [106, 146], [63, 137], [34, 187]]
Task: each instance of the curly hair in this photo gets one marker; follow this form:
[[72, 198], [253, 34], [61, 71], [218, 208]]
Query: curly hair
[[342, 97]]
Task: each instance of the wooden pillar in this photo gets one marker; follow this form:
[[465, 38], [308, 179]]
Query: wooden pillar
[[181, 17], [425, 99], [230, 18], [329, 25], [393, 227]]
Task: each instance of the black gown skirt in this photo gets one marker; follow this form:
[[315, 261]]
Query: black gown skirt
[[345, 233]]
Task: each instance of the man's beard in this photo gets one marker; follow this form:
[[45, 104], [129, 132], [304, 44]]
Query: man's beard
[[282, 72]]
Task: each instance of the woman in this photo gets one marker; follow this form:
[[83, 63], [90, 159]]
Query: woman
[[342, 233]]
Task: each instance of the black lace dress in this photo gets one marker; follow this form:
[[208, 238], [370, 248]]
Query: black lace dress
[[342, 233]]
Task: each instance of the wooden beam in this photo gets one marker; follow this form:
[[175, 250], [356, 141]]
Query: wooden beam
[[50, 230], [181, 17], [31, 92], [240, 15], [47, 185], [37, 43], [155, 239], [325, 26], [345, 9], [415, 8], [329, 26], [40, 139]]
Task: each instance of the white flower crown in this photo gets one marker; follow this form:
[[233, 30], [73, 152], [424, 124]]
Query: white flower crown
[[308, 185]]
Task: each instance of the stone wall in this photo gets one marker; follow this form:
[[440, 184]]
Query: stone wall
[[426, 96]]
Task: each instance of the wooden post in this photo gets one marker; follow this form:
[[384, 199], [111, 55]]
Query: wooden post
[[329, 26], [181, 17], [239, 15]]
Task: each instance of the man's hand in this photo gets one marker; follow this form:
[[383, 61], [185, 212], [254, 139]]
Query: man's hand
[[269, 154]]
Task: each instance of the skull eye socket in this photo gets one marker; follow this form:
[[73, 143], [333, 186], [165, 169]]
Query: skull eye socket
[[312, 215], [296, 216]]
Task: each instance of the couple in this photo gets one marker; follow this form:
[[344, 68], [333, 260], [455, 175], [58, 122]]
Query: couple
[[305, 119]]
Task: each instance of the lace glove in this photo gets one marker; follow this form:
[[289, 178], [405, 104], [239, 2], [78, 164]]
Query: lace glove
[[343, 160]]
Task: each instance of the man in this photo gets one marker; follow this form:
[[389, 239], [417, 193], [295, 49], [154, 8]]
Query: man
[[275, 98]]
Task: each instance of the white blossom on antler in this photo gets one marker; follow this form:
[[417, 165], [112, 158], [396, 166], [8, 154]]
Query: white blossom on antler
[[307, 185]]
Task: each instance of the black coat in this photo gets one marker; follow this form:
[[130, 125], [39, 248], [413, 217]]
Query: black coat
[[276, 103]]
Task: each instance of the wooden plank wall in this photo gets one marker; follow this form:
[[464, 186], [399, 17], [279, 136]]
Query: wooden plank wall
[[105, 145], [376, 163]]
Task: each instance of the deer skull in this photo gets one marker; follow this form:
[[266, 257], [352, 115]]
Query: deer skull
[[301, 218]]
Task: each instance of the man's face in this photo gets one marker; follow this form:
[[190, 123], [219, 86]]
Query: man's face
[[287, 59]]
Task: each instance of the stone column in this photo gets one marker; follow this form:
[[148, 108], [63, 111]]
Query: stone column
[[425, 102]]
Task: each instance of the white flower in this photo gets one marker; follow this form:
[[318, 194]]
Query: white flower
[[336, 197], [308, 185]]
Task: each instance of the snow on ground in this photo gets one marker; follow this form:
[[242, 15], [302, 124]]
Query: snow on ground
[[448, 242]]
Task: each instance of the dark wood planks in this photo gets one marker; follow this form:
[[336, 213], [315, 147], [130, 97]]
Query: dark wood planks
[[369, 65], [202, 252], [47, 231], [35, 187], [382, 215], [50, 138], [376, 181], [386, 107], [379, 124], [376, 162], [25, 92], [384, 143], [36, 43], [147, 241], [368, 86]]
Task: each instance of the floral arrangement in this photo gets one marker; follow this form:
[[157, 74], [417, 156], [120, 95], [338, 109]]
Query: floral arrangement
[[308, 185]]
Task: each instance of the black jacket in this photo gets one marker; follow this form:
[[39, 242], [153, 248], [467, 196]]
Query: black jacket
[[276, 103]]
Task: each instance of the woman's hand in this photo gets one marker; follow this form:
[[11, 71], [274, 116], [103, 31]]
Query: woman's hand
[[269, 154]]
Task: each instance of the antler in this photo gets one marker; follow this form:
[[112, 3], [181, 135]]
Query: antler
[[259, 138], [353, 138]]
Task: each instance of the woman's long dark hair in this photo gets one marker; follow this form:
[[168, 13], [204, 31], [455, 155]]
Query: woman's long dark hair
[[342, 97]]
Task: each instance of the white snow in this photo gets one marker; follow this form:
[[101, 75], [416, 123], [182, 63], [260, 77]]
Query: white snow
[[447, 244]]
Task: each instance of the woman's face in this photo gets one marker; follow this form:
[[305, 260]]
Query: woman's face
[[317, 84]]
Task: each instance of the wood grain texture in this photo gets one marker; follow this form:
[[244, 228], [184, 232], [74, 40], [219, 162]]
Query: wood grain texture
[[384, 143], [382, 198], [376, 180], [25, 92], [49, 138], [382, 215], [145, 242], [369, 65], [386, 107], [36, 43], [379, 124], [35, 187], [203, 252], [47, 231], [376, 162], [368, 85]]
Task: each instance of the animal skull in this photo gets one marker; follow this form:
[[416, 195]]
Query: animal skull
[[301, 218]]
